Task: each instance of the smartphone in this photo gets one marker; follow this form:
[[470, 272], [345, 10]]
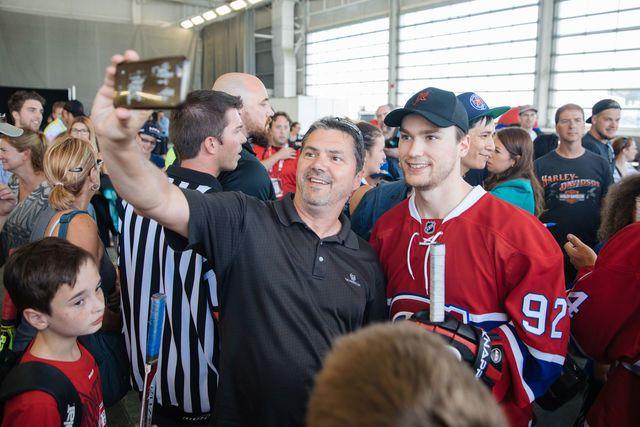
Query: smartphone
[[153, 84]]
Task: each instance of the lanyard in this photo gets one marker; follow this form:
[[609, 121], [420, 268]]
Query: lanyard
[[280, 163]]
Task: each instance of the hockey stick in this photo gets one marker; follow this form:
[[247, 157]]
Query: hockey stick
[[154, 336], [436, 285]]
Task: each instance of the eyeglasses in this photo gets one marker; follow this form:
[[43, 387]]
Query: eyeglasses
[[79, 169], [80, 131]]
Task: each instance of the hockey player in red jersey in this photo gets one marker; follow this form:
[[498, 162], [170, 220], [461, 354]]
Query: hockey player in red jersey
[[504, 272], [604, 306]]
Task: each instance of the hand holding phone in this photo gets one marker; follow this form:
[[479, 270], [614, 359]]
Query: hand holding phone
[[160, 83], [119, 125]]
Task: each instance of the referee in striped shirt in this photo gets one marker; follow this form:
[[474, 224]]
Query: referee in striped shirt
[[207, 133]]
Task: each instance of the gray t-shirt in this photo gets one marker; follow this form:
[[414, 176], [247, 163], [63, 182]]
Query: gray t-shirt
[[17, 229]]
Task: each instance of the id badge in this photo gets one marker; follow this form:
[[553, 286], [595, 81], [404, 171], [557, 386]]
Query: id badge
[[277, 187]]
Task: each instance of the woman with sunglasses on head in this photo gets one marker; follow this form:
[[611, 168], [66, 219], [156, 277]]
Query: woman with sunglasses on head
[[511, 174], [103, 204], [625, 151]]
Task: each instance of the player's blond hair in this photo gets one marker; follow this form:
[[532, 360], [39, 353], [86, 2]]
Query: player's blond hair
[[398, 375]]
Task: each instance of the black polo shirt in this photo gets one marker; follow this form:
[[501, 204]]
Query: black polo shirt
[[284, 295], [249, 177]]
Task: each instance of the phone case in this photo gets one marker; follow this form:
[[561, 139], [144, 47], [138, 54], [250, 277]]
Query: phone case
[[160, 83]]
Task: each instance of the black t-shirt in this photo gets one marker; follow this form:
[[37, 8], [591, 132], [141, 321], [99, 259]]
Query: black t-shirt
[[476, 176], [284, 296], [543, 144], [249, 177], [573, 190]]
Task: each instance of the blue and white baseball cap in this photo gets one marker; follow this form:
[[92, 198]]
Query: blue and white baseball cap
[[476, 107]]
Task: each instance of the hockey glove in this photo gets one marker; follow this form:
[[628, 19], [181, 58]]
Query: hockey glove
[[468, 343]]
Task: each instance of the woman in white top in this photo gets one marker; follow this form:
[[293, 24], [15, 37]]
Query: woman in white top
[[625, 150]]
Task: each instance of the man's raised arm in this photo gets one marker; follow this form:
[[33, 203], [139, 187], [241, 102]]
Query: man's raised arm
[[136, 179]]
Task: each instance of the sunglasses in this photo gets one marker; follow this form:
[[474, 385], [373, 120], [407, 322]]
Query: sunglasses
[[79, 169]]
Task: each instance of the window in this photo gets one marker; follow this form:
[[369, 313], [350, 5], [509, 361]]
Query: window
[[484, 46], [350, 63], [597, 55]]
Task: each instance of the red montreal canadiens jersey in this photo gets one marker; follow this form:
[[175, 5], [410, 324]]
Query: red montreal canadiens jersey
[[503, 273], [605, 310]]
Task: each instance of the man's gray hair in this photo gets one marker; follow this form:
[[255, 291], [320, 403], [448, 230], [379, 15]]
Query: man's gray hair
[[345, 126]]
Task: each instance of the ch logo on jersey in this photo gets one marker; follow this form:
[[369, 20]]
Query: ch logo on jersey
[[421, 97], [430, 227], [477, 102], [352, 279]]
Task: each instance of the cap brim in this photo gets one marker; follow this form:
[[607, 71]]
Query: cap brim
[[394, 118], [497, 112], [10, 130], [589, 120]]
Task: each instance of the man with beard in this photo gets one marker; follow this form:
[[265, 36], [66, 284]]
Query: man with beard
[[503, 269], [605, 119], [278, 314], [250, 177]]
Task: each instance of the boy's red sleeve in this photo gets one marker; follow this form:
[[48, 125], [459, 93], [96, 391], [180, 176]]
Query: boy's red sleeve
[[33, 408]]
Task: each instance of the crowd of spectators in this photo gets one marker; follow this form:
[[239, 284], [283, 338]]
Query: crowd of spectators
[[275, 247]]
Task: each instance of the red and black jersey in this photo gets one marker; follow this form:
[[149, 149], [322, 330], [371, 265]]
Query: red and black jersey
[[605, 311], [503, 273]]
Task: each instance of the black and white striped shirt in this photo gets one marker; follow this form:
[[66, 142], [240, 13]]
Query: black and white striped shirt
[[188, 363]]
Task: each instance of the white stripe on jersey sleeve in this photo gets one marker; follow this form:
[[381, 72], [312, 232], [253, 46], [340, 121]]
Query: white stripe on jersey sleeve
[[515, 348], [488, 317], [547, 357]]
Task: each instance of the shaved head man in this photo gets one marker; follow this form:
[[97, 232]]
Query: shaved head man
[[256, 109], [250, 177]]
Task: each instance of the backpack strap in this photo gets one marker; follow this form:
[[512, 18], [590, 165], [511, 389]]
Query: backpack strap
[[30, 376], [65, 220]]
